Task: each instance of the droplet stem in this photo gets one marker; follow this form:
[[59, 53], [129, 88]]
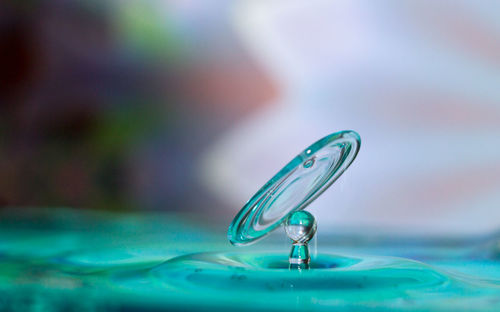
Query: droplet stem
[[299, 254], [300, 228]]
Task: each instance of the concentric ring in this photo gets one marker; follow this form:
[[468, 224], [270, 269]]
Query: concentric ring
[[295, 186]]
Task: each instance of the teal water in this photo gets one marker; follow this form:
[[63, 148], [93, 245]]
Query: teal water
[[65, 260], [332, 281]]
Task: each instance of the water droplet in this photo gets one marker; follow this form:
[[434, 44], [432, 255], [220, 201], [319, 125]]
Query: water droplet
[[300, 226]]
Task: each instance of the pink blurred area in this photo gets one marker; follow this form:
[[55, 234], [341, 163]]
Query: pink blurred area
[[192, 106]]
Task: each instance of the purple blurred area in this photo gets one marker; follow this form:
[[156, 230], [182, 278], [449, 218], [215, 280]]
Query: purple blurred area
[[109, 104]]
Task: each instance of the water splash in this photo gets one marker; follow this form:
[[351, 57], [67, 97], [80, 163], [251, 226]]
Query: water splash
[[332, 280], [295, 186]]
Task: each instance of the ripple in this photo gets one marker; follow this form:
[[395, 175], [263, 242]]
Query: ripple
[[329, 274]]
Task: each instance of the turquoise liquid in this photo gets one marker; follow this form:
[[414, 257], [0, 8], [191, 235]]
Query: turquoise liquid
[[332, 281], [65, 260]]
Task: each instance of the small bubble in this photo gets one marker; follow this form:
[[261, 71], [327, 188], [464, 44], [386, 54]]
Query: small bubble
[[309, 163]]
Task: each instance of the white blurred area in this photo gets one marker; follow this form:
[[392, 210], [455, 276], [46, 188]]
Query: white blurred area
[[418, 80]]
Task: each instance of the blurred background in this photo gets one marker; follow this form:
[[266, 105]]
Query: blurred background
[[190, 106]]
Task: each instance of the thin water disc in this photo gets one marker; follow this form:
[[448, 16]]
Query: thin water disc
[[295, 186]]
